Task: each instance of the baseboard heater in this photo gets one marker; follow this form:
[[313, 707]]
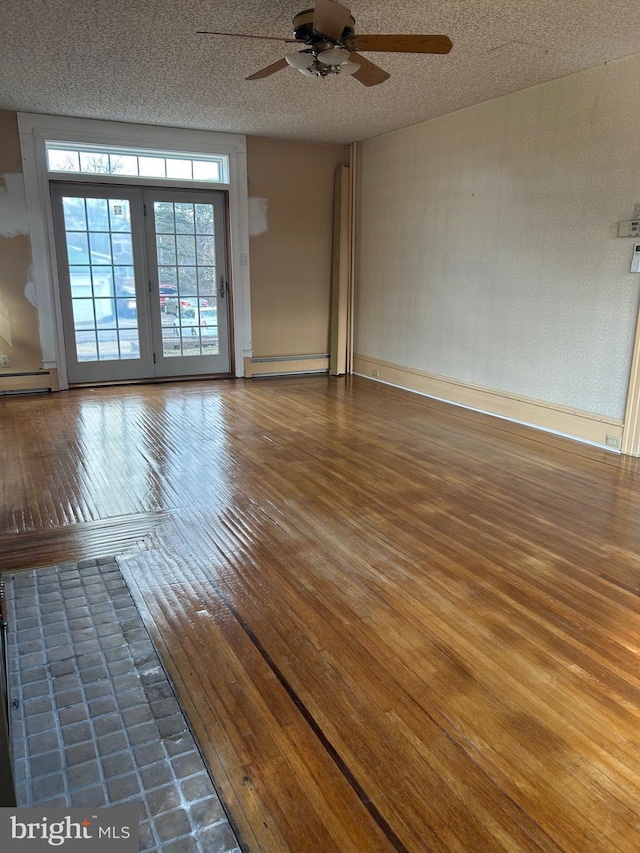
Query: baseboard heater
[[29, 382], [287, 365]]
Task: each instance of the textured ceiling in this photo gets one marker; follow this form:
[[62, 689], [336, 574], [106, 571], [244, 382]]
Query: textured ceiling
[[143, 62]]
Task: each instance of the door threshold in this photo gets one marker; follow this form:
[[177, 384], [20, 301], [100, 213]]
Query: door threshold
[[155, 380]]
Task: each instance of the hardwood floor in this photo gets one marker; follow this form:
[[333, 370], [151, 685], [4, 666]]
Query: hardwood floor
[[394, 625]]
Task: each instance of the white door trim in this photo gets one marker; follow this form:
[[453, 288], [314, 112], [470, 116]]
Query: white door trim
[[36, 129], [631, 436]]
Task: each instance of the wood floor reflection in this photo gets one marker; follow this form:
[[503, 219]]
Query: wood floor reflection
[[394, 625]]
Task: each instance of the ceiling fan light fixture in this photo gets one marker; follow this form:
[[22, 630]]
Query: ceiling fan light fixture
[[334, 56], [333, 48], [302, 60], [349, 67]]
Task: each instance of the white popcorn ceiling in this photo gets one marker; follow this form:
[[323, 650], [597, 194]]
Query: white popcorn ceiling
[[143, 62]]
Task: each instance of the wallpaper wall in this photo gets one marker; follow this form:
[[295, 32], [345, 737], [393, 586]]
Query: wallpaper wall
[[487, 249]]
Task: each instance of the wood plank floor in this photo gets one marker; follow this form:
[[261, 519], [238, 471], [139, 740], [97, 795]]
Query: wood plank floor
[[395, 625]]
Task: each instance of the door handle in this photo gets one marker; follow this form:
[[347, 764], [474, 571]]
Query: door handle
[[222, 292]]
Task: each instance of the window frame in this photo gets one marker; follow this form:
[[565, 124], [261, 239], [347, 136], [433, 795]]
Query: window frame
[[35, 130], [75, 147]]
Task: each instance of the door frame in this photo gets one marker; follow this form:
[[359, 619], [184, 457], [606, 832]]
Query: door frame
[[119, 369], [630, 444], [35, 130], [151, 363], [223, 301]]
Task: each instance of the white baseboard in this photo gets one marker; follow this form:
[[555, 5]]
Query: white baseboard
[[573, 423]]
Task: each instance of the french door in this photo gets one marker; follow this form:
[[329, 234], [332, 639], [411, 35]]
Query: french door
[[143, 282]]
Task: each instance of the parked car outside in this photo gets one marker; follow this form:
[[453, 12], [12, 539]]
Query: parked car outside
[[203, 321], [167, 292], [127, 308], [175, 305], [126, 303]]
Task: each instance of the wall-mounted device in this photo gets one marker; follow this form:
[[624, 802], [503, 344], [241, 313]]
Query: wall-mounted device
[[629, 228], [635, 260]]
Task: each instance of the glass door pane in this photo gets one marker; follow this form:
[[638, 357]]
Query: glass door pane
[[187, 263], [100, 264]]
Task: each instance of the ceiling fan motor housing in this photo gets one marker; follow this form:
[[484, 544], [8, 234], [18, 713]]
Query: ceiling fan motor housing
[[303, 29]]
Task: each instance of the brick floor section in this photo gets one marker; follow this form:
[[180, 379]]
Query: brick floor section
[[97, 722]]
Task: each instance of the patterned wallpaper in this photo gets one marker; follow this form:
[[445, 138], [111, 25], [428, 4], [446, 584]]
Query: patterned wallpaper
[[488, 248]]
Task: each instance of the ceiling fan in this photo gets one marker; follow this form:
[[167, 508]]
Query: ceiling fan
[[332, 46]]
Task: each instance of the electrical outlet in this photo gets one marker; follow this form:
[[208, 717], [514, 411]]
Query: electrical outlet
[[375, 373], [613, 441], [5, 361]]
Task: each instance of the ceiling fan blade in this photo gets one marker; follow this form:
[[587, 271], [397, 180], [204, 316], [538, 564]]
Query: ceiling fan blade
[[270, 69], [369, 73], [244, 36], [402, 44], [330, 18]]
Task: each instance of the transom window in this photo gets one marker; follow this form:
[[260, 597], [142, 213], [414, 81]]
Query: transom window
[[70, 158]]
